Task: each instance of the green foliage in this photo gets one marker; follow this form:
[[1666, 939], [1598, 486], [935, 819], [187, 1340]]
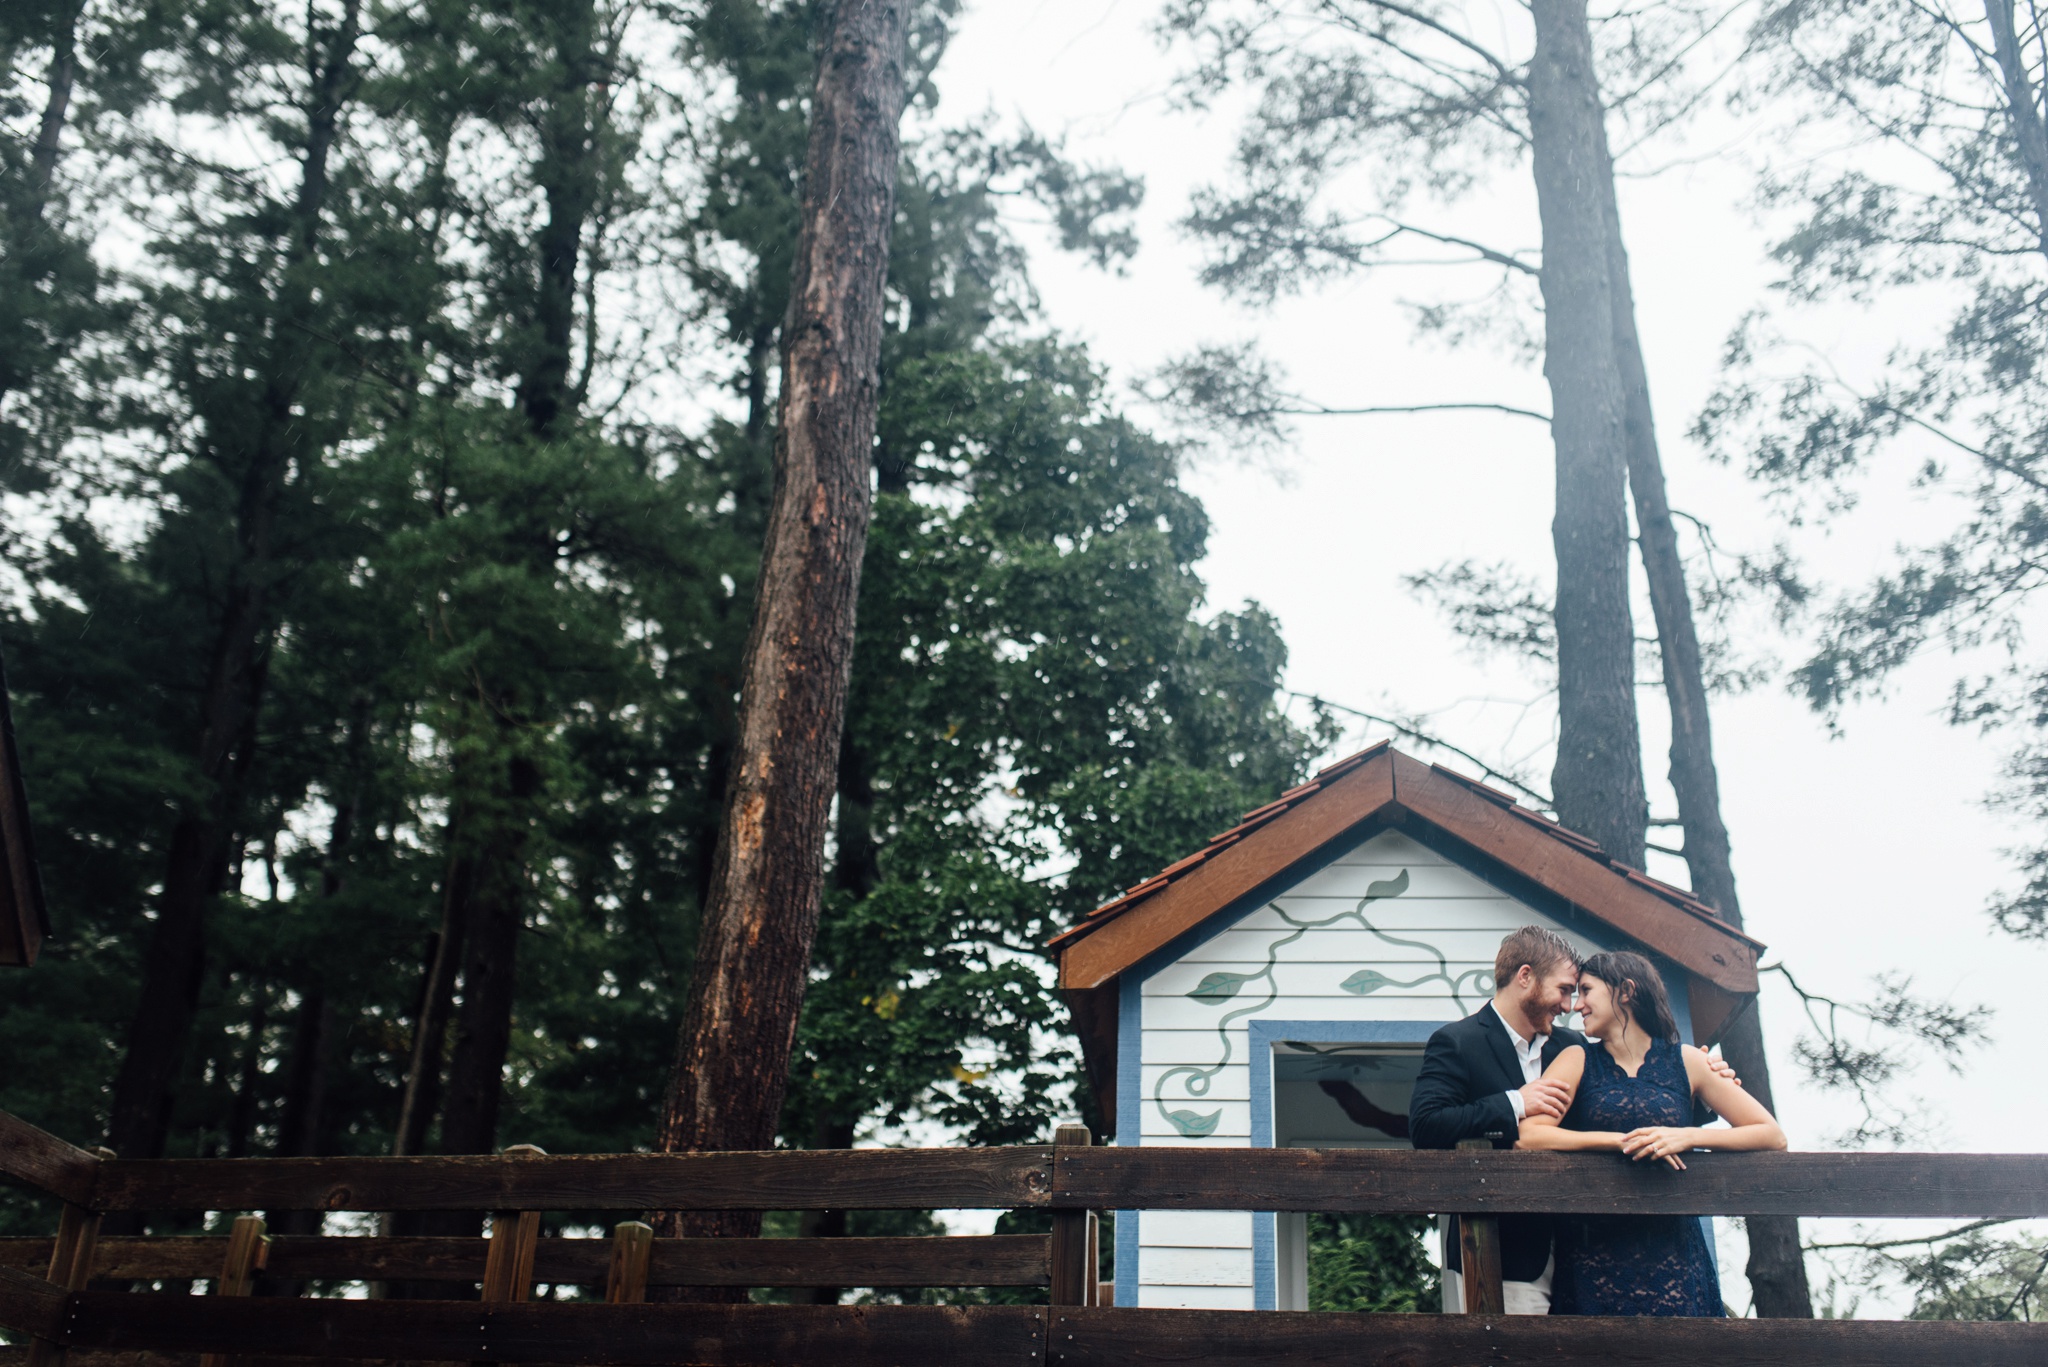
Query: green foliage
[[1939, 195], [1375, 1263], [1979, 1278], [505, 588], [1970, 1273]]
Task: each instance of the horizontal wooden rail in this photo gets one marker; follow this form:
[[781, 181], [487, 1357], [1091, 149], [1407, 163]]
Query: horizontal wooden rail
[[888, 1336], [798, 1179], [1862, 1185], [45, 1162], [1390, 1181], [30, 1305], [1398, 1181], [992, 1260]]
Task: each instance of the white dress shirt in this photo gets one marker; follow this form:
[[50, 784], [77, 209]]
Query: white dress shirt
[[1528, 1053]]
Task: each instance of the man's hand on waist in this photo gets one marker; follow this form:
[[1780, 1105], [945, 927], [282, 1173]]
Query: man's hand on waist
[[1544, 1098]]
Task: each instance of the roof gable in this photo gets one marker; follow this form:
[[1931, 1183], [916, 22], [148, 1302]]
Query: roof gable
[[1383, 785]]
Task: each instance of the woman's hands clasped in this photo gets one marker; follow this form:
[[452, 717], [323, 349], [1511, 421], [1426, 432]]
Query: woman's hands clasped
[[1660, 1141]]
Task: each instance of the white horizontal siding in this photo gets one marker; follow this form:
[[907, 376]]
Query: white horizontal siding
[[1174, 1266], [1198, 1297], [1197, 1229], [1203, 1259]]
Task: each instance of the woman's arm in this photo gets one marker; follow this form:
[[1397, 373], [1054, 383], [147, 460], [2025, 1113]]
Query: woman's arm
[[1544, 1132], [1750, 1126]]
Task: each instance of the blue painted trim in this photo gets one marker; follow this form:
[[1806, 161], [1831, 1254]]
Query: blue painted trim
[[1675, 979], [1264, 1034], [1130, 1105], [1265, 1261]]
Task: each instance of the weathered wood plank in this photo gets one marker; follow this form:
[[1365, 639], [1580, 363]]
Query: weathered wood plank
[[718, 1336], [31, 1305], [45, 1162], [797, 1179], [1866, 1185], [981, 1260], [1399, 1181], [1219, 1338], [627, 1335]]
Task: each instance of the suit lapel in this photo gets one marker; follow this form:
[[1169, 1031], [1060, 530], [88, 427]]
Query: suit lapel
[[1497, 1037]]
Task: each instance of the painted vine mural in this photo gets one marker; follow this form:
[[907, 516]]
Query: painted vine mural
[[1221, 987]]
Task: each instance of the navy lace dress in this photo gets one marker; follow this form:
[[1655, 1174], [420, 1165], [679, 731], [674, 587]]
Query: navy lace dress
[[1633, 1264]]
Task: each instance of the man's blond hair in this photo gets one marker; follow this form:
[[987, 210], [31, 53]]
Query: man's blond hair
[[1540, 947]]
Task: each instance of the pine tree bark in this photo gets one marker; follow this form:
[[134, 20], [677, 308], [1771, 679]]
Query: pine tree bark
[[422, 1097], [754, 945], [1597, 782], [1777, 1266], [490, 957], [203, 841], [2022, 109], [58, 80]]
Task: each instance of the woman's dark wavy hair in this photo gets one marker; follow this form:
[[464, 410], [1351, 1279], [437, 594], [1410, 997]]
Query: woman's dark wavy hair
[[1638, 991]]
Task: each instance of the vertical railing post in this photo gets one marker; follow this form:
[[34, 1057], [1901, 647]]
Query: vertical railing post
[[245, 1255], [515, 1235], [1479, 1253], [78, 1234], [632, 1251], [1074, 1271]]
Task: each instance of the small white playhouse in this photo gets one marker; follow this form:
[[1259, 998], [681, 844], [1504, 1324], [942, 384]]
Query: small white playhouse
[[1277, 987]]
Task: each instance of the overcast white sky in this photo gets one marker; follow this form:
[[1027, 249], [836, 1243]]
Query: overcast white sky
[[1859, 854]]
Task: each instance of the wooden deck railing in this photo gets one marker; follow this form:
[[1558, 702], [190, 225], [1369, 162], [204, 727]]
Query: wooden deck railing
[[45, 1295]]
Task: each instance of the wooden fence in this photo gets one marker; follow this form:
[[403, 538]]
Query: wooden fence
[[46, 1285]]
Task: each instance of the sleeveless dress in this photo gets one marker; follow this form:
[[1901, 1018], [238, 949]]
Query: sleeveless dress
[[1633, 1264]]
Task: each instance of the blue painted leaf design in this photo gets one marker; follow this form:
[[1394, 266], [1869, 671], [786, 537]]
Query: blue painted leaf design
[[1218, 988], [1387, 887], [1364, 981], [1195, 1126]]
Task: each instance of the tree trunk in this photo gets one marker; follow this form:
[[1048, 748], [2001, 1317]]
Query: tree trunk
[[490, 874], [483, 1025], [242, 1113], [1598, 779], [1777, 1267], [203, 843], [422, 1096], [58, 81], [2022, 110], [753, 950], [568, 182]]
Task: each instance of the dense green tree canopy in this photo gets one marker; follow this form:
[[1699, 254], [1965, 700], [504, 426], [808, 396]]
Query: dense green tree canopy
[[418, 360]]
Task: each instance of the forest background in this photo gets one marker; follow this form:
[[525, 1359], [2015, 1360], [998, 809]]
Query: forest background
[[512, 565]]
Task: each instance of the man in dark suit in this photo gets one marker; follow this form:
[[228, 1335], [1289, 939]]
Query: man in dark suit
[[1483, 1075]]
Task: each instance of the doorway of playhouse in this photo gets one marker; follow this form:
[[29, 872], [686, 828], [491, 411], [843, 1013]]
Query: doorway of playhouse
[[1340, 1085]]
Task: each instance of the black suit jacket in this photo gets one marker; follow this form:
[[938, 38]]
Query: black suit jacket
[[1467, 1070]]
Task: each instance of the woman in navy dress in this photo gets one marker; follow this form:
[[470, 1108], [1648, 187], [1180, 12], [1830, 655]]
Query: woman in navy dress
[[1632, 1094]]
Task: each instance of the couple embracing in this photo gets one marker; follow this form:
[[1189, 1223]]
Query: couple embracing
[[1629, 1085]]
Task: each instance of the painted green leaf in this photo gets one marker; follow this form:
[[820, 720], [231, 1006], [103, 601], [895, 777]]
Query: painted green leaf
[[1218, 988], [1195, 1126], [1364, 981], [1387, 887]]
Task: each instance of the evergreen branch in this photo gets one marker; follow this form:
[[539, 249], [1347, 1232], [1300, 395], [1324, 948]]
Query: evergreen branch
[[1506, 74], [1323, 411], [1484, 252], [1921, 1240]]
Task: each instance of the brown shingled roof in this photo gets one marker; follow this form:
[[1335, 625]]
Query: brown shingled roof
[[1383, 783]]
